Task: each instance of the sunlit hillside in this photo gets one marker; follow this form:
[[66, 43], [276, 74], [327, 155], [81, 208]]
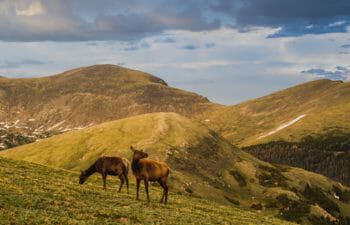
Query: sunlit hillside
[[202, 164]]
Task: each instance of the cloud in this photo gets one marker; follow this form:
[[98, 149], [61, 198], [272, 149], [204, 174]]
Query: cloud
[[345, 46], [294, 18], [137, 46], [210, 45], [339, 73], [88, 20], [190, 47], [131, 48], [92, 44], [165, 40], [125, 20]]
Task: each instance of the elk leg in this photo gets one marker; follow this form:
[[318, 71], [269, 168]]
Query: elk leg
[[161, 184], [137, 188], [165, 187], [121, 183], [104, 176], [146, 187], [127, 182]]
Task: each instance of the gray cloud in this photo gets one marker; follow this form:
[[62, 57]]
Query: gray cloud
[[127, 20], [341, 73], [136, 46], [345, 46], [190, 47], [165, 40], [86, 20], [210, 45], [295, 18]]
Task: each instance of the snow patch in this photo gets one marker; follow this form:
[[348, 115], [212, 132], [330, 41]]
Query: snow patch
[[207, 120], [336, 196], [9, 126], [56, 125], [282, 126], [39, 128], [2, 145], [31, 119], [67, 129], [80, 128]]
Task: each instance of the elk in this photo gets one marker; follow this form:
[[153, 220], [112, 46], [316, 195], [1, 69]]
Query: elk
[[112, 165], [149, 170]]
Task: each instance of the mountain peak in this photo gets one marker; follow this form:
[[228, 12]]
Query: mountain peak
[[110, 71]]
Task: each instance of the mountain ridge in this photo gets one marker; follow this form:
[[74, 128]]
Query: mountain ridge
[[42, 107]]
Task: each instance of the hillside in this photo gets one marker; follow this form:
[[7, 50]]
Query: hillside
[[202, 164], [37, 108], [307, 126], [313, 108], [34, 194]]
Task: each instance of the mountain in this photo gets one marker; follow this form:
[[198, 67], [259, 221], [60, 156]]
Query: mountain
[[202, 163], [35, 194], [312, 108], [37, 108], [307, 126]]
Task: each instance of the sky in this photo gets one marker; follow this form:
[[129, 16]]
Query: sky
[[227, 50]]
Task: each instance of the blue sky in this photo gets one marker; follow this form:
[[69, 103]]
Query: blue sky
[[227, 50]]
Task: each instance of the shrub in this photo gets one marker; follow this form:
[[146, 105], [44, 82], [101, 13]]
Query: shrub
[[292, 210], [239, 178], [316, 195]]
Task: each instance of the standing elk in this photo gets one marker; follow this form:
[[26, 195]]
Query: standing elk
[[112, 165], [149, 170]]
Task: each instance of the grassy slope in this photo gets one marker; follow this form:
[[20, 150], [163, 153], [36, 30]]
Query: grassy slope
[[201, 162], [34, 194], [325, 104], [166, 136]]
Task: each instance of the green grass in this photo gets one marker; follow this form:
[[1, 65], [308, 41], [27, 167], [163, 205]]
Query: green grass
[[201, 162], [35, 194], [193, 152]]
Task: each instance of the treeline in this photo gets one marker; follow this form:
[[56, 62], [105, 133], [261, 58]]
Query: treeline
[[327, 154], [14, 139]]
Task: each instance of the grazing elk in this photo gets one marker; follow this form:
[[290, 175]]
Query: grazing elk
[[112, 165], [149, 170]]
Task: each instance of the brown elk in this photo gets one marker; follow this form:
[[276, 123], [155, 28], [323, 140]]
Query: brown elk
[[108, 165], [149, 170]]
